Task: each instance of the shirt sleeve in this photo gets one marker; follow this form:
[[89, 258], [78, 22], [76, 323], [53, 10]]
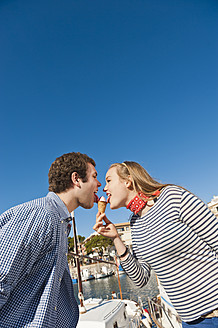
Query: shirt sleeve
[[136, 268], [195, 214], [25, 237]]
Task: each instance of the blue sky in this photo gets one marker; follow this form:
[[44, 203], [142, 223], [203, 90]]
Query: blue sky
[[118, 80]]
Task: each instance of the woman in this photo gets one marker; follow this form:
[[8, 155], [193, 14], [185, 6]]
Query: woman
[[174, 233]]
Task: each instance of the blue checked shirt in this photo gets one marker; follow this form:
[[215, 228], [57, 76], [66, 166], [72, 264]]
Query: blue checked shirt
[[35, 285]]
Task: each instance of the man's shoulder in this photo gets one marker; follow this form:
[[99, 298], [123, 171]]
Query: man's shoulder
[[39, 208], [41, 205], [45, 204]]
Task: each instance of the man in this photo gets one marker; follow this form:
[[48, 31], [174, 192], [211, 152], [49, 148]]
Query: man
[[35, 284]]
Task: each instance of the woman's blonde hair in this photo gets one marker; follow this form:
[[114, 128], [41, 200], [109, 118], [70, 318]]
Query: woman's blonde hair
[[141, 180]]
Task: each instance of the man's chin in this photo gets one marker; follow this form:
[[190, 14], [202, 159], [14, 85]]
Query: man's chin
[[88, 206]]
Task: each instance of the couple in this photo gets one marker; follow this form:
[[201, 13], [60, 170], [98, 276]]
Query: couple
[[173, 233]]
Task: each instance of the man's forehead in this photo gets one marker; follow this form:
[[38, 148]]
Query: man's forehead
[[91, 169]]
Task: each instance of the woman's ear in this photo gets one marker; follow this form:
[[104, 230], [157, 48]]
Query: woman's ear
[[128, 184]]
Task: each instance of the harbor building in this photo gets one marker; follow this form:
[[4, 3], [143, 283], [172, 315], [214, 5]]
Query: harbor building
[[125, 233], [213, 205]]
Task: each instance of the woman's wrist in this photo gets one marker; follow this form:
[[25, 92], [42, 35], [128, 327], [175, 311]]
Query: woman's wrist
[[116, 239], [124, 253], [120, 247]]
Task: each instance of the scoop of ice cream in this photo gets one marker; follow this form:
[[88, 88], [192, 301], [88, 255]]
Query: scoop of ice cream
[[102, 199]]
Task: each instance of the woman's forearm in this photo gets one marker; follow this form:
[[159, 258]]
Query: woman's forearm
[[120, 247]]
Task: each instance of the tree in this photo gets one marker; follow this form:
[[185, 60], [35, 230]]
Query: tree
[[71, 242], [99, 242]]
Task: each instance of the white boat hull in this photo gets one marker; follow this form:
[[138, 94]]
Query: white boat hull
[[111, 313]]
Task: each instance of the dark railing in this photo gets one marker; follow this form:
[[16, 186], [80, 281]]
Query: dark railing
[[156, 311]]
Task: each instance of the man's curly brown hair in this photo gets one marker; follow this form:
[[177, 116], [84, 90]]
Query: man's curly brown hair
[[59, 175]]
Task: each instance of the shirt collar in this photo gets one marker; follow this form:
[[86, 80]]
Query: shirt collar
[[64, 213]]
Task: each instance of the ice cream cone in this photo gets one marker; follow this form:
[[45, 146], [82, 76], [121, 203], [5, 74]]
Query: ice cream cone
[[102, 203], [102, 206]]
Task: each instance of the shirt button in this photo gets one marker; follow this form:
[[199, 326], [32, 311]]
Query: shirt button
[[66, 254], [55, 308], [65, 232], [62, 221]]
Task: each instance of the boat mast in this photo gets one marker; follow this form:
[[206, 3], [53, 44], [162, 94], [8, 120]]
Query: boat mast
[[118, 277], [80, 288]]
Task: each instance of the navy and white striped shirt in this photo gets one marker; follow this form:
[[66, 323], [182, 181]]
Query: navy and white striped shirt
[[178, 239], [35, 285]]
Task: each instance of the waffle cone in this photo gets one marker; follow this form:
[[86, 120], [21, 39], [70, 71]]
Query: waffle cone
[[102, 206]]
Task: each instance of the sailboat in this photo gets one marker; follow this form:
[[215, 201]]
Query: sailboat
[[103, 273]]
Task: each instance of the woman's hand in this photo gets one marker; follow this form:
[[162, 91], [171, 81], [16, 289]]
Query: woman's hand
[[108, 229]]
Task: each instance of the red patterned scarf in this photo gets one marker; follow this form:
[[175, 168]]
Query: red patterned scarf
[[139, 201]]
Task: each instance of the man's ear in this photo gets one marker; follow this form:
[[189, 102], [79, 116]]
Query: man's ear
[[75, 179]]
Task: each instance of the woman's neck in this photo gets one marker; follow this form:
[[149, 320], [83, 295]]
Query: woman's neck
[[149, 204]]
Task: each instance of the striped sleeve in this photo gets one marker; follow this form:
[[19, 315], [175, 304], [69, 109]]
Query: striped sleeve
[[138, 270]]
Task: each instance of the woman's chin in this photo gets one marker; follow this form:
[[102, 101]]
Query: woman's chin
[[114, 206]]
